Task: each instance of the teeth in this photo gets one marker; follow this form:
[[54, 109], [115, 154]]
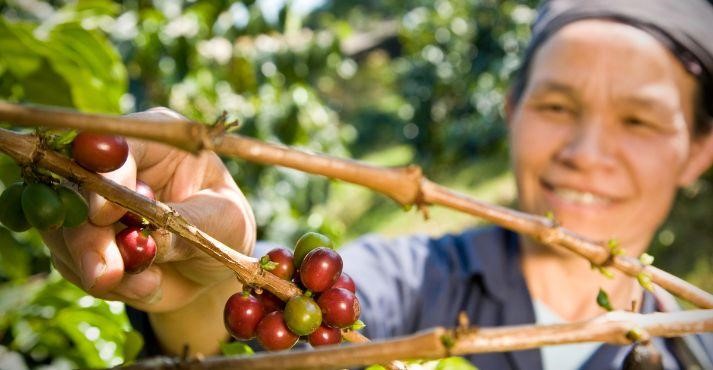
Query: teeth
[[575, 196]]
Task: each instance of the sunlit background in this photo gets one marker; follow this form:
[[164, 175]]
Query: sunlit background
[[388, 82]]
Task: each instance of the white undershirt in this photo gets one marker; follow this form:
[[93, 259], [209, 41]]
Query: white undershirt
[[563, 357]]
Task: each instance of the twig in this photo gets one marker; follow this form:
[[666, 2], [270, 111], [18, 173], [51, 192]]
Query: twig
[[438, 342], [406, 186]]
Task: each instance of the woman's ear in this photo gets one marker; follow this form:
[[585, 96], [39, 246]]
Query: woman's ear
[[699, 160]]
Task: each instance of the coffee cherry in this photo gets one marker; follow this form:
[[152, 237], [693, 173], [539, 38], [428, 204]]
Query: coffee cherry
[[345, 281], [98, 152], [137, 247], [302, 315], [643, 357], [325, 335], [307, 243], [241, 315], [272, 333], [270, 302], [283, 258], [320, 269], [340, 307], [132, 219], [296, 279], [75, 207], [42, 206], [11, 214]]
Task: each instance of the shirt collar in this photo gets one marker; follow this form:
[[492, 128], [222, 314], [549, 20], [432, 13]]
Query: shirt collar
[[493, 254]]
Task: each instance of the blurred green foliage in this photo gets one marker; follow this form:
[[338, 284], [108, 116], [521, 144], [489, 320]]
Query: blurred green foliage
[[389, 82]]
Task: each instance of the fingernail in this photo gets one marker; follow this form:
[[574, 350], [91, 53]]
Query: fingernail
[[143, 286], [93, 267]]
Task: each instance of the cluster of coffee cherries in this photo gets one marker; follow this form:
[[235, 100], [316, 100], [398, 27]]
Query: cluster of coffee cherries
[[328, 305], [42, 206], [47, 207]]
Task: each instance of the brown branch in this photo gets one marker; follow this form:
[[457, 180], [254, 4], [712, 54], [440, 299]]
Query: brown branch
[[26, 150], [406, 186], [439, 342]]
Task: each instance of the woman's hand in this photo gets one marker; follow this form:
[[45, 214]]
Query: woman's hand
[[199, 188]]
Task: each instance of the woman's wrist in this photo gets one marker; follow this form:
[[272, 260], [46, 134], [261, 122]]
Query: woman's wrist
[[197, 325]]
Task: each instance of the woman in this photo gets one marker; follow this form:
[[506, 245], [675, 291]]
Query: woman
[[609, 116]]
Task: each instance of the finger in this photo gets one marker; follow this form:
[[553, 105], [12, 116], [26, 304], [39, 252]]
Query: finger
[[66, 272], [120, 294], [214, 204], [94, 251], [142, 287], [174, 292], [103, 212], [54, 240], [148, 154]]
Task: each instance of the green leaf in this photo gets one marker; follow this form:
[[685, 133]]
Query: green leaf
[[14, 256], [132, 345], [375, 367], [86, 8], [603, 300], [266, 264], [235, 349], [88, 329], [19, 47], [90, 65], [358, 325], [455, 363], [46, 86]]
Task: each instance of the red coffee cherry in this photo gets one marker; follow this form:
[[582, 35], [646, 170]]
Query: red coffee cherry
[[270, 302], [241, 315], [98, 152], [272, 333], [137, 248], [132, 219], [345, 281], [320, 269], [325, 335], [340, 307], [284, 260]]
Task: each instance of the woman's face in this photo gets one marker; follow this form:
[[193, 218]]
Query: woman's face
[[602, 134]]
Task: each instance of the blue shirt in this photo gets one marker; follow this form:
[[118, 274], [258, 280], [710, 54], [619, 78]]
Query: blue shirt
[[416, 282], [413, 283]]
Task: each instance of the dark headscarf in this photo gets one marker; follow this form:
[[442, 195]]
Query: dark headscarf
[[685, 27]]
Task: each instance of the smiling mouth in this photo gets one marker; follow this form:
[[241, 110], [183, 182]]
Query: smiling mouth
[[579, 197]]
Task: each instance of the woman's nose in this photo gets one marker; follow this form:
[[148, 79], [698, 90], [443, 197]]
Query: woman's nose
[[588, 146]]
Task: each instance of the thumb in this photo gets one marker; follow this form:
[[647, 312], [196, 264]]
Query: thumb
[[103, 212]]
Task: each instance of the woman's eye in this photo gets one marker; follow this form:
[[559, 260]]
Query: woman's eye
[[555, 108], [635, 121]]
